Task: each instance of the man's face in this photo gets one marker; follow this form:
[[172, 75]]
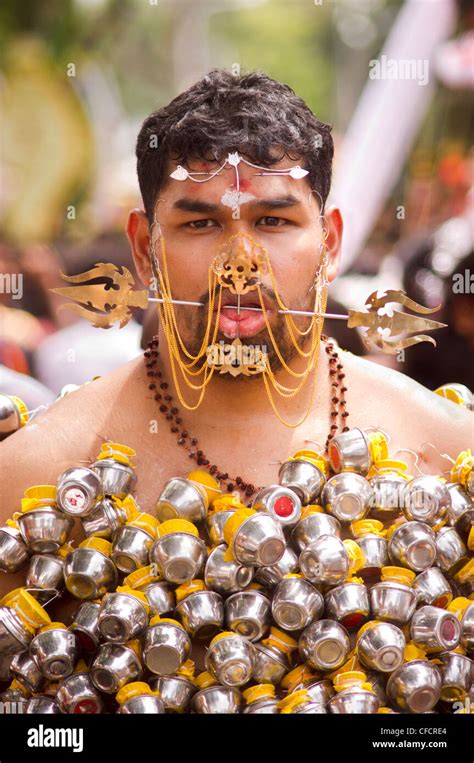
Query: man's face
[[280, 213]]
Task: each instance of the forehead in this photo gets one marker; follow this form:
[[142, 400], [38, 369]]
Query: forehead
[[250, 181]]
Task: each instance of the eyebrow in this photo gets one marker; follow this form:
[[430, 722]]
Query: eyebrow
[[186, 204]]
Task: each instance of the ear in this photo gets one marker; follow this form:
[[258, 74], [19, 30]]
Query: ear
[[138, 235], [334, 227]]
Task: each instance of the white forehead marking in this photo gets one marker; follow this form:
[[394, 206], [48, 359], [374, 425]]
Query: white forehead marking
[[235, 198]]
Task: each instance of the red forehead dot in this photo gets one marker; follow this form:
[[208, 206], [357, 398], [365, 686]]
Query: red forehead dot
[[284, 506]]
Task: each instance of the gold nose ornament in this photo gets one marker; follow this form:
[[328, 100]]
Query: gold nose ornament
[[240, 265]]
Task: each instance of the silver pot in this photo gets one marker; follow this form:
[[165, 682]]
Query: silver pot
[[467, 628], [78, 695], [392, 601], [26, 671], [303, 477], [5, 672], [89, 573], [226, 577], [415, 686], [354, 700], [427, 499], [413, 545], [146, 704], [266, 706], [42, 706], [202, 613], [283, 504], [388, 494], [45, 572], [230, 660], [375, 550], [122, 617], [248, 613], [269, 665], [381, 647], [313, 527], [435, 629], [130, 548], [85, 625], [347, 496], [350, 451], [165, 647], [456, 676], [181, 498], [10, 417], [176, 692], [296, 603], [13, 550], [271, 576], [14, 637], [114, 666], [451, 550], [56, 652], [325, 561], [45, 529], [432, 588], [78, 489], [348, 604], [215, 525], [160, 597], [103, 520], [180, 557], [259, 541], [324, 645], [117, 479], [461, 508], [320, 691], [218, 700]]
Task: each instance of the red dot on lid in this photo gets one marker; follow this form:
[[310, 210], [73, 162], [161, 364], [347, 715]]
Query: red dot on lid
[[284, 506]]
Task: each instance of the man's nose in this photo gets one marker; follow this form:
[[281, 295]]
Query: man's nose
[[240, 264]]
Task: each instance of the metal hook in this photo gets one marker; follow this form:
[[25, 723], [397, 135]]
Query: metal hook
[[416, 456], [318, 444], [443, 455]]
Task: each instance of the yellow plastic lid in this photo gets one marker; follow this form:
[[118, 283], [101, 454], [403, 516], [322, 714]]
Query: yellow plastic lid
[[393, 527], [288, 704], [378, 446], [64, 550], [312, 508], [389, 466], [157, 619], [204, 680], [118, 452], [37, 496], [177, 526], [397, 575], [134, 689], [81, 667], [314, 458], [351, 665], [226, 501], [462, 467], [386, 711], [53, 627], [30, 611], [234, 522], [128, 505], [141, 577], [297, 677], [351, 678], [13, 523], [207, 485], [146, 522], [466, 573], [224, 634], [366, 626], [280, 640], [187, 670], [366, 527], [135, 646], [470, 540], [356, 555], [187, 588], [22, 408], [18, 686], [459, 606], [260, 691], [97, 544], [129, 591], [414, 652]]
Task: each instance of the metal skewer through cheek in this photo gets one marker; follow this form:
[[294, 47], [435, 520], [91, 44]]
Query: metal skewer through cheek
[[308, 313]]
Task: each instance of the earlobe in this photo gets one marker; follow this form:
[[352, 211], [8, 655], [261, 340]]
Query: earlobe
[[139, 240]]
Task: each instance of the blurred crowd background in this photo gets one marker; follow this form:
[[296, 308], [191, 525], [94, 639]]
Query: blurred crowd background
[[77, 78]]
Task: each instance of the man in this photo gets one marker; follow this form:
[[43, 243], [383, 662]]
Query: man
[[236, 428]]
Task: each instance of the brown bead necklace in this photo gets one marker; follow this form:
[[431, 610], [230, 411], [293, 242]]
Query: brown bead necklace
[[161, 393]]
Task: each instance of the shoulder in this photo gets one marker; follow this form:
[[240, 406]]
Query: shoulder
[[70, 429], [414, 411]]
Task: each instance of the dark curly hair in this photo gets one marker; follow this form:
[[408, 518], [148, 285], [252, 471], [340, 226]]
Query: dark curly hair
[[251, 113]]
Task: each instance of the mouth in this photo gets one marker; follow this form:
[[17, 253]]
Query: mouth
[[244, 323]]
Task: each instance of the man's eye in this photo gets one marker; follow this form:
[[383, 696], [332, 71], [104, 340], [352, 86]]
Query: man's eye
[[273, 222], [199, 224]]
